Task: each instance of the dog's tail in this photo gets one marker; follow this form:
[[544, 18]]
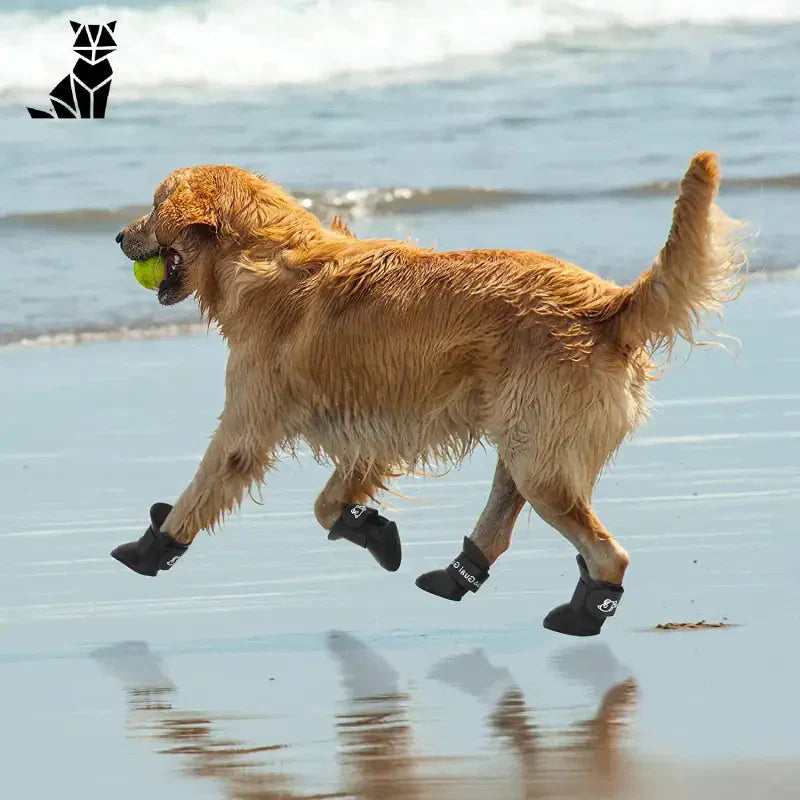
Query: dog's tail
[[36, 114], [700, 267]]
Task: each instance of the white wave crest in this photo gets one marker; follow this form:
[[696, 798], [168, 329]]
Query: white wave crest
[[238, 45]]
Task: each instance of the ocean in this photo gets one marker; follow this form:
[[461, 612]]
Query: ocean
[[554, 126]]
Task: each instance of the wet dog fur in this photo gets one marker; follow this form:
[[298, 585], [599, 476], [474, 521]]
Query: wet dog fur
[[385, 357]]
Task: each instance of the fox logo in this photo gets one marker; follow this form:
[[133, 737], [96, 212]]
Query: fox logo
[[84, 92], [608, 606]]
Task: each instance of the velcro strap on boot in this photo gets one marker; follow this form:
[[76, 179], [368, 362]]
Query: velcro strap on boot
[[160, 549], [355, 519], [465, 571], [600, 598], [602, 601], [356, 515]]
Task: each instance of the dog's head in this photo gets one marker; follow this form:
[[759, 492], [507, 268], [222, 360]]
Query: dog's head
[[93, 43], [209, 221], [182, 228]]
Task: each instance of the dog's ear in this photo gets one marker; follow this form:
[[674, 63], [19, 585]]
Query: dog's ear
[[111, 25], [187, 205], [76, 26]]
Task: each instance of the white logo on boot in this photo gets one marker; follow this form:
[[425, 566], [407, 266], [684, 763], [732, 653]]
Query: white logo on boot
[[608, 606], [172, 561], [464, 574], [358, 510]]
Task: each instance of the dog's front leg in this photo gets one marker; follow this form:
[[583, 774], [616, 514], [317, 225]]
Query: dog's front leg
[[340, 509], [241, 450], [239, 454]]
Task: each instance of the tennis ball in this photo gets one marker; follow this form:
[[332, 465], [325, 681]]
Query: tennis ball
[[149, 273]]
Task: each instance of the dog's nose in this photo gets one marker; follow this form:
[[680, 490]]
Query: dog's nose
[[119, 237]]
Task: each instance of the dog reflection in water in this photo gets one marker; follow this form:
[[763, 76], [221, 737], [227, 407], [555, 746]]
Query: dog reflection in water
[[376, 743]]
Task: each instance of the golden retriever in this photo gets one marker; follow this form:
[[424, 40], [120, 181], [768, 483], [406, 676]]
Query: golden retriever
[[385, 357]]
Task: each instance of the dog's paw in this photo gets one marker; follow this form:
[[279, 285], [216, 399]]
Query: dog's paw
[[154, 550], [442, 584], [591, 604], [363, 526], [465, 573]]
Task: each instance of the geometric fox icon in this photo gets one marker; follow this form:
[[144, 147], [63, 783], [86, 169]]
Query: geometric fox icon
[[84, 92]]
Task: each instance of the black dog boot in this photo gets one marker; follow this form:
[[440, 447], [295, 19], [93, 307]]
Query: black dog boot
[[592, 603], [154, 550], [366, 528], [466, 573]]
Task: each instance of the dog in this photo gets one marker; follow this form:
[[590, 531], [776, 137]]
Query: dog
[[385, 357], [84, 92]]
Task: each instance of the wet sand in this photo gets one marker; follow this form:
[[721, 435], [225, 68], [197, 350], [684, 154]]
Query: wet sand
[[273, 664]]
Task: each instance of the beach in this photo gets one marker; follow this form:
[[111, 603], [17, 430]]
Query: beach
[[271, 660], [270, 663]]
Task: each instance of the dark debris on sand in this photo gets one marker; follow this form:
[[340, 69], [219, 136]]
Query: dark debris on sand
[[702, 625]]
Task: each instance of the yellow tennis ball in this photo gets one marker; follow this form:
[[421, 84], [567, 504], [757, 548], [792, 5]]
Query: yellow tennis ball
[[149, 273]]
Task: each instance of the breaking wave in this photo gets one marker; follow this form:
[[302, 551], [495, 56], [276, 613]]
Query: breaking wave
[[241, 45]]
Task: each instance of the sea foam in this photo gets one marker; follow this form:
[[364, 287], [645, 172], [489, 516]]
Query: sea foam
[[227, 46]]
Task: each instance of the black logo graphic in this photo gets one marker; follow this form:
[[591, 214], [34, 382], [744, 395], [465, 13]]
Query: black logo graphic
[[84, 92]]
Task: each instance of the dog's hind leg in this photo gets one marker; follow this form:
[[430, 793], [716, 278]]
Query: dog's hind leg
[[601, 561], [341, 510], [487, 542], [492, 533], [605, 558]]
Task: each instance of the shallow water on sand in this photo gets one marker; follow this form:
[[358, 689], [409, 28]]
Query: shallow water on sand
[[273, 664]]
